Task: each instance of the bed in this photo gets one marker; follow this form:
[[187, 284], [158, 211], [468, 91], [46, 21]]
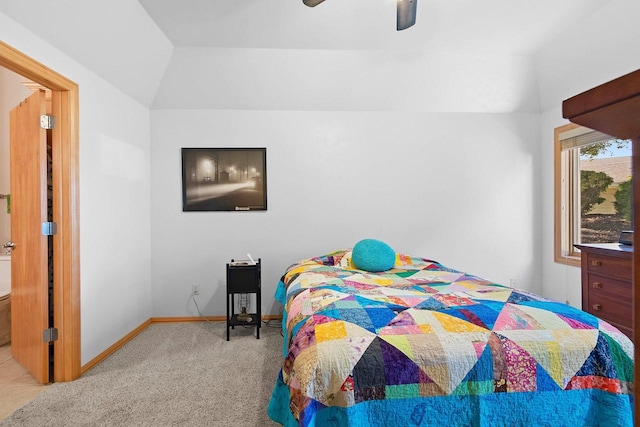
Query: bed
[[423, 344]]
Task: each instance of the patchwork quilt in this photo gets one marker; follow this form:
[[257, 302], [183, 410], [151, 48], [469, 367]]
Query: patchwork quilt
[[423, 344]]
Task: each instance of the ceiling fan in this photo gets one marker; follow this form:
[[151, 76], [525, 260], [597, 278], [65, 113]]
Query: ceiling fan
[[406, 12]]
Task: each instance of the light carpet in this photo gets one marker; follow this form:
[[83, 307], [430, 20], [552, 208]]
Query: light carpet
[[171, 374]]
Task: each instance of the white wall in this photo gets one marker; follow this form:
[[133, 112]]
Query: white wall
[[561, 282], [349, 80], [114, 214], [434, 152], [460, 188], [117, 40], [592, 52], [114, 198], [12, 92]]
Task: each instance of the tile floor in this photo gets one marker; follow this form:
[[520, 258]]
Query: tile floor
[[17, 386]]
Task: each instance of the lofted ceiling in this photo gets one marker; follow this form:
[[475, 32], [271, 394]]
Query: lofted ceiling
[[138, 45], [481, 26]]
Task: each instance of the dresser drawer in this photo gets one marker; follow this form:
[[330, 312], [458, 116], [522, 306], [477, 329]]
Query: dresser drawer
[[610, 309], [608, 265], [617, 289]]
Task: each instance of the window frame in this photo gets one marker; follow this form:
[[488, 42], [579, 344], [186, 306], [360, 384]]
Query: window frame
[[567, 189], [562, 219]]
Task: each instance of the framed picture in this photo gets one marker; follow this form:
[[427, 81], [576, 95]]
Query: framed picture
[[224, 179]]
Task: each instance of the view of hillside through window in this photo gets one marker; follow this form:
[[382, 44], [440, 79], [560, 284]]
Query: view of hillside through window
[[605, 191]]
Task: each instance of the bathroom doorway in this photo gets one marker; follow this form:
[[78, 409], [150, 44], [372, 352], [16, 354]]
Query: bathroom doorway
[[65, 243]]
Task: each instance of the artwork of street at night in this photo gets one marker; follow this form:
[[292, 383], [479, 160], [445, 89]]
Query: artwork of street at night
[[224, 179]]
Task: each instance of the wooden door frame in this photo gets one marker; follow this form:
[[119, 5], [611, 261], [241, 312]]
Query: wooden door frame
[[66, 260]]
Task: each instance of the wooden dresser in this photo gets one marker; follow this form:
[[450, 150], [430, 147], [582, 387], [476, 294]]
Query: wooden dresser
[[612, 108], [606, 283]]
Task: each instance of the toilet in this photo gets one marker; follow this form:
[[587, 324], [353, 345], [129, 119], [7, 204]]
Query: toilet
[[5, 299]]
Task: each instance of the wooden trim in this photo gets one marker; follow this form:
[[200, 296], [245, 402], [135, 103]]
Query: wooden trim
[[65, 139], [265, 318], [22, 64], [116, 346], [187, 319], [131, 335], [573, 258], [69, 221]]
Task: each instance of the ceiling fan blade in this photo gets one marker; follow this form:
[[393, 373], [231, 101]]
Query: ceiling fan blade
[[406, 13], [312, 3]]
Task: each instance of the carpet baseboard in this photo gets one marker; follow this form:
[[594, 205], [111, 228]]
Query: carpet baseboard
[[117, 345], [122, 341], [187, 319]]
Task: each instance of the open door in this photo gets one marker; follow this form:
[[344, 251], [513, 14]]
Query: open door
[[29, 259], [66, 206]]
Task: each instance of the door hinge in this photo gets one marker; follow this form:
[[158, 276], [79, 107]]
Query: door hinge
[[49, 228], [50, 335], [47, 122]]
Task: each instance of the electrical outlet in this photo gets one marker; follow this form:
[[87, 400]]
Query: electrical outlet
[[195, 289], [513, 282]]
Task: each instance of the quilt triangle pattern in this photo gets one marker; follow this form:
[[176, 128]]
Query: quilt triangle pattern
[[424, 330]]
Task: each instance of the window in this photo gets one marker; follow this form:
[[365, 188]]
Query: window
[[593, 194]]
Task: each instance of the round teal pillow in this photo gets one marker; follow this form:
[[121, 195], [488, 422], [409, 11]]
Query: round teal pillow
[[373, 255]]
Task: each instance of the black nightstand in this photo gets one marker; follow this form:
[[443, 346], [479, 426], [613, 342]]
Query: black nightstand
[[243, 278]]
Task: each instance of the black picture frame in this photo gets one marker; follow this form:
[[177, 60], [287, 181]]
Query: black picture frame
[[224, 179]]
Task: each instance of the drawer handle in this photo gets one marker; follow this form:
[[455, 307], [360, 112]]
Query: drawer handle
[[597, 307], [597, 285], [596, 263]]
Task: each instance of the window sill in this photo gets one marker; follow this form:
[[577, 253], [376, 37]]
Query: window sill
[[572, 259]]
